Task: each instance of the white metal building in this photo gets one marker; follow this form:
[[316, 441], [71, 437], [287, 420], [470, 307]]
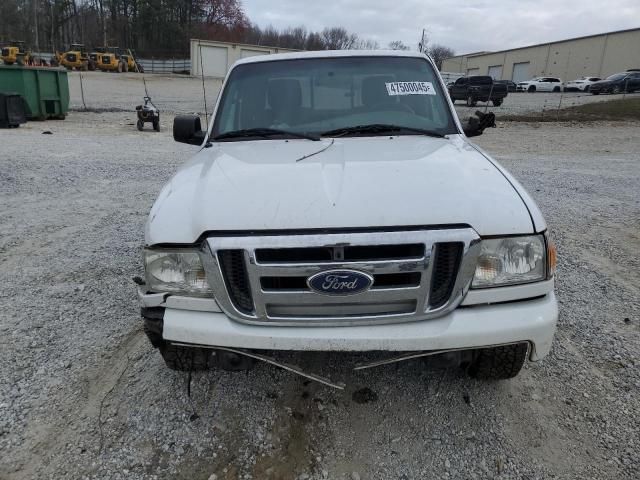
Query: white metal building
[[217, 57], [594, 55]]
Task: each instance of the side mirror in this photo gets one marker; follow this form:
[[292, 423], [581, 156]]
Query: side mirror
[[476, 125], [187, 129]]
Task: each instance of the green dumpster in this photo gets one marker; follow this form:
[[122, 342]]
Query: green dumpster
[[46, 90]]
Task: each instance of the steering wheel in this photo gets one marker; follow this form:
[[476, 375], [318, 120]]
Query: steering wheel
[[400, 107]]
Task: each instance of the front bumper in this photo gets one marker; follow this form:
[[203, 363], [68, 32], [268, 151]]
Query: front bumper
[[533, 321]]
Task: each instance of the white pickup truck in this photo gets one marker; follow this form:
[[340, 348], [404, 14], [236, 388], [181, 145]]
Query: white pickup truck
[[336, 204]]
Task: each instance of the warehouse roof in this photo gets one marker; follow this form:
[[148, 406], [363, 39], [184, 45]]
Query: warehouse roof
[[477, 54]]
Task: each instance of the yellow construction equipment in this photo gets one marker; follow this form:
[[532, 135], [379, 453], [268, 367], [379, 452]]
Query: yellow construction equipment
[[113, 59], [74, 58], [15, 52]]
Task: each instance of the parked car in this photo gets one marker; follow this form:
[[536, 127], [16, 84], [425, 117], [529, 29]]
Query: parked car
[[476, 89], [617, 83], [511, 86], [541, 84], [582, 84], [336, 204]]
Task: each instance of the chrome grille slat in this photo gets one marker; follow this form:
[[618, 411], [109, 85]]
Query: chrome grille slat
[[306, 269], [306, 307]]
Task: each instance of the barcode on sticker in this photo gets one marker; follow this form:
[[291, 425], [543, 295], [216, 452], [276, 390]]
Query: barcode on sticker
[[410, 88]]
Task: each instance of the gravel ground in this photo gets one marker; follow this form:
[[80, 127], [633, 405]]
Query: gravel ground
[[84, 395]]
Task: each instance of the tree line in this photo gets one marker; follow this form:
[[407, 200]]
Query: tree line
[[161, 27]]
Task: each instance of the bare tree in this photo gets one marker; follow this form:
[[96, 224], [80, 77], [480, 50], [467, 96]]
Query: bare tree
[[337, 38], [439, 53], [366, 45], [397, 45]]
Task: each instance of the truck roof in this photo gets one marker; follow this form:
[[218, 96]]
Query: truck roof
[[330, 54]]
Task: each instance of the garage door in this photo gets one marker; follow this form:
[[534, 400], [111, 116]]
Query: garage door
[[473, 71], [214, 61], [520, 72], [245, 52], [495, 72]]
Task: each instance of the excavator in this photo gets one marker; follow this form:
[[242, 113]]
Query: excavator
[[15, 52]]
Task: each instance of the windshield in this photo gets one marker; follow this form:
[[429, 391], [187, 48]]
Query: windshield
[[317, 95], [617, 76]]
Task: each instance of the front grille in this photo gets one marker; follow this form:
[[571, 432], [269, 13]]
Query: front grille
[[383, 280], [236, 279], [445, 269], [347, 253], [417, 274]]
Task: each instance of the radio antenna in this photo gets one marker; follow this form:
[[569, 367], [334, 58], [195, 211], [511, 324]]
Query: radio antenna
[[146, 92], [204, 91]]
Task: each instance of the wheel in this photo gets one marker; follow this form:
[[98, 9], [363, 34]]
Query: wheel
[[586, 88], [616, 90], [85, 66], [140, 125], [156, 125], [595, 93], [532, 88], [556, 89], [186, 358], [498, 363], [125, 67], [471, 102], [91, 65], [120, 67], [497, 102]]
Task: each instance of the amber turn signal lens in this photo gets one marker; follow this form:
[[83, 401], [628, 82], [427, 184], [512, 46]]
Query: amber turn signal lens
[[552, 255]]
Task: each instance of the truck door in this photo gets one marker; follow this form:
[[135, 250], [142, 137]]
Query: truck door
[[459, 89]]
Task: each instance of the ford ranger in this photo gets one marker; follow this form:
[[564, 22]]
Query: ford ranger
[[335, 203]]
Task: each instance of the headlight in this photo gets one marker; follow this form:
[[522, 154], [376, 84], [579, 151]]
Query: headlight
[[511, 261], [175, 271]]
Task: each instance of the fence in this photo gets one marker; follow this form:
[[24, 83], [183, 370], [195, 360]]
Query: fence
[[170, 65], [450, 77]]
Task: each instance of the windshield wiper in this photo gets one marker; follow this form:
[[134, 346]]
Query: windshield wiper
[[264, 132], [381, 128]]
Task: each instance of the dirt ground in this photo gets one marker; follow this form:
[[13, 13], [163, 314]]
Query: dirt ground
[[84, 395]]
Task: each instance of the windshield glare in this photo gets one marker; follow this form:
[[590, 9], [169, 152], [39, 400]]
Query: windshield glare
[[317, 95]]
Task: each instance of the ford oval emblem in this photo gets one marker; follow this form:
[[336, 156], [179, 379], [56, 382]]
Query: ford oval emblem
[[340, 282]]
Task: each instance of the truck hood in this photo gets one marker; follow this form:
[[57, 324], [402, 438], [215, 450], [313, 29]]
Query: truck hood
[[342, 183]]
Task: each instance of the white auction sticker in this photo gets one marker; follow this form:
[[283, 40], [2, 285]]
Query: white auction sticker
[[410, 88]]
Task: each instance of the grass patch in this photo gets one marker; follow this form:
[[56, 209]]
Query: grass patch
[[621, 109]]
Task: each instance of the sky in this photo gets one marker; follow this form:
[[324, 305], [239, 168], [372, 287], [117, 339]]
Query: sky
[[464, 25]]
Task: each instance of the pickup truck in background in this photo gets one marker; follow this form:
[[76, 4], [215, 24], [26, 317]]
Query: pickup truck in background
[[478, 89], [335, 203]]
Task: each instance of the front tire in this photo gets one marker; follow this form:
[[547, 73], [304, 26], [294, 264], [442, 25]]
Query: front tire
[[140, 125], [497, 102], [556, 89], [498, 363], [531, 89], [616, 90]]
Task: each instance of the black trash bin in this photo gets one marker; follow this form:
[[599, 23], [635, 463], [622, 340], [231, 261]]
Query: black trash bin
[[12, 110]]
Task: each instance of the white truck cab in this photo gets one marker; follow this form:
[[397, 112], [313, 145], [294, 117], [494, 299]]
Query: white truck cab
[[336, 204]]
